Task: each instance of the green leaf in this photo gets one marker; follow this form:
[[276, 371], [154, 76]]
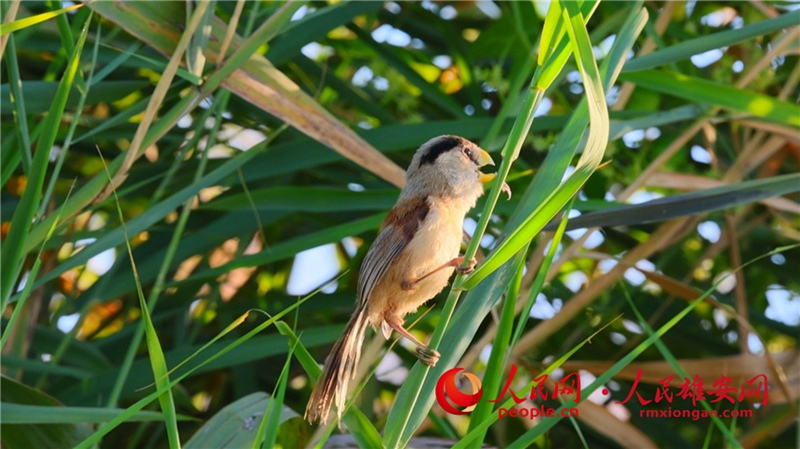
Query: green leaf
[[142, 222], [161, 389], [39, 94], [693, 203], [592, 154], [20, 24], [236, 425], [691, 47], [699, 90], [316, 26], [40, 414], [556, 56], [362, 429], [268, 429], [307, 199], [401, 61], [24, 435], [12, 251], [158, 362]]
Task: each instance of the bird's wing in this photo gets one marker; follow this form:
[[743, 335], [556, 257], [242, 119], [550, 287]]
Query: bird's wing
[[399, 228]]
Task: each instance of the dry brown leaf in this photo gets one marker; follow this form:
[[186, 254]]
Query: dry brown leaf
[[257, 81], [601, 420], [787, 133]]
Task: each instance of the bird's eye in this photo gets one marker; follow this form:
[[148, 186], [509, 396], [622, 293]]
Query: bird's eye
[[468, 153]]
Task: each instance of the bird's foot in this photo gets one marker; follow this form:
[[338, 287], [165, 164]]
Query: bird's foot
[[469, 268], [427, 355]]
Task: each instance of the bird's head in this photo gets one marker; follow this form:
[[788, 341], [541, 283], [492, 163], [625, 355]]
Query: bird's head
[[449, 166]]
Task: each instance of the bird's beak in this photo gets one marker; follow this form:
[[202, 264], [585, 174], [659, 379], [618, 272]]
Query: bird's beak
[[485, 159]]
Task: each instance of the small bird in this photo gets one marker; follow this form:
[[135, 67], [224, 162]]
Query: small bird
[[410, 261]]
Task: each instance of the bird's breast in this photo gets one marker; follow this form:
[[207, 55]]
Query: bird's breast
[[436, 242]]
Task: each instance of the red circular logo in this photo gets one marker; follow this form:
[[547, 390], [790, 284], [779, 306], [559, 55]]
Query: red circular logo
[[449, 396]]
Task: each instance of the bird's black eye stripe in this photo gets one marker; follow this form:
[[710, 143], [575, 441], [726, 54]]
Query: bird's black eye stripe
[[444, 145]]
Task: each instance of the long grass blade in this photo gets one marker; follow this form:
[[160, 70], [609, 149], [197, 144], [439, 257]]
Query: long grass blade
[[39, 414], [161, 389], [10, 27], [12, 251], [592, 154], [699, 202], [703, 91], [727, 38], [157, 360]]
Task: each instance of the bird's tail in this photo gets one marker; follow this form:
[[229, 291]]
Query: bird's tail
[[340, 368]]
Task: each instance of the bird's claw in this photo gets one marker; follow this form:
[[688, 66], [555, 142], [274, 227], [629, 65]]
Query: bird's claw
[[469, 268], [505, 188], [427, 355]]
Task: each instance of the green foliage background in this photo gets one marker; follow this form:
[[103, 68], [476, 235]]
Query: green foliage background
[[125, 134]]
